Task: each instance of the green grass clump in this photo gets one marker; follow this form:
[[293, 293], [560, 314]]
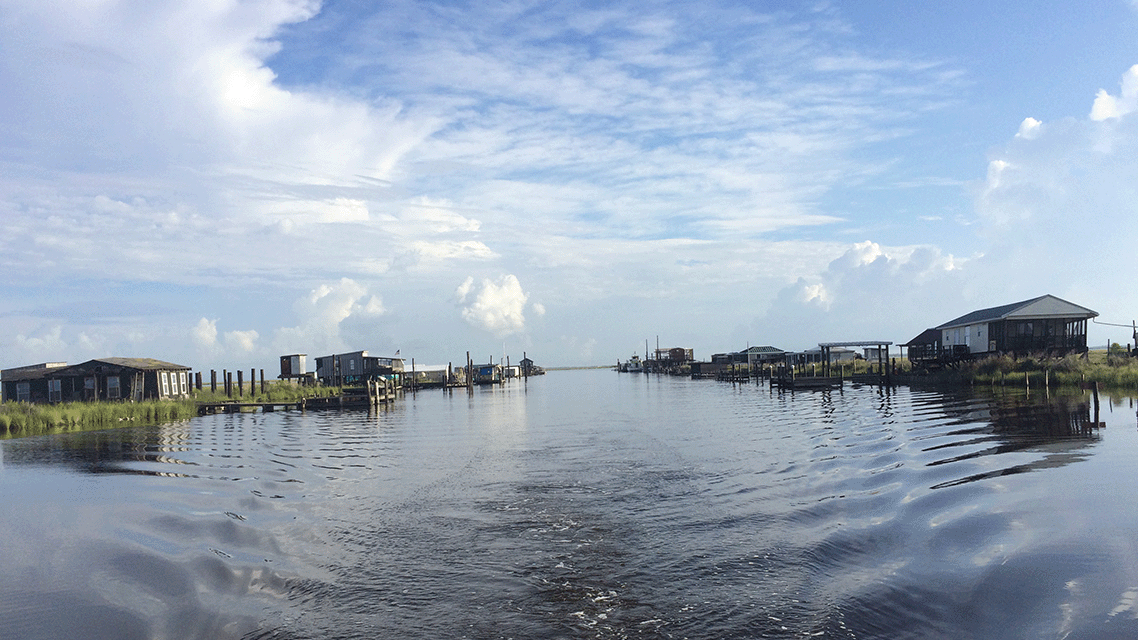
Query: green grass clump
[[24, 419]]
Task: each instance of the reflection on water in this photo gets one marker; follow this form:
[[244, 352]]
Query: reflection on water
[[586, 504], [1060, 428]]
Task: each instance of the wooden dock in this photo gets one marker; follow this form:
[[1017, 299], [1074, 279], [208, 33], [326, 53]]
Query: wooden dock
[[371, 395], [807, 382]]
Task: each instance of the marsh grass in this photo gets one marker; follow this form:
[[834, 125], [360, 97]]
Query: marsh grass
[[275, 391], [24, 419], [1111, 371]]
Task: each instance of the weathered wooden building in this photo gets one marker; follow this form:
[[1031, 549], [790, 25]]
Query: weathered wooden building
[[357, 367], [100, 379], [27, 384]]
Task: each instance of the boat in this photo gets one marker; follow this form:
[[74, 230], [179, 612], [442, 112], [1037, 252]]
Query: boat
[[633, 365]]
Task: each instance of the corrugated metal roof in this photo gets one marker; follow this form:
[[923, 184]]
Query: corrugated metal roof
[[1047, 306], [764, 349]]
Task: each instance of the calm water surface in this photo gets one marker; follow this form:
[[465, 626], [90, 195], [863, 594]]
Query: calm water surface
[[586, 504]]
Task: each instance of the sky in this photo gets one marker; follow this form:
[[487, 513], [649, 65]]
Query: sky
[[217, 183]]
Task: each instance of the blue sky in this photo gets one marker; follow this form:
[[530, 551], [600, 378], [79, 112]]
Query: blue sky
[[218, 184]]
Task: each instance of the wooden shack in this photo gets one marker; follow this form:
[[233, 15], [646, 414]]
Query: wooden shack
[[117, 379], [27, 384]]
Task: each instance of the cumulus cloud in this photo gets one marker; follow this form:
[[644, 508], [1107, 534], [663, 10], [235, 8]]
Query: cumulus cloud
[[48, 345], [1029, 129], [868, 292], [496, 307], [204, 333], [1060, 205], [245, 341], [325, 312], [1107, 106]]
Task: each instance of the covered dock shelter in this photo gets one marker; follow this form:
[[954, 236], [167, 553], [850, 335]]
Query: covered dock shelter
[[882, 347]]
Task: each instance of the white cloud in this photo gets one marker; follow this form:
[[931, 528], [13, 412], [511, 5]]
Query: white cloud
[[49, 345], [324, 314], [245, 341], [1106, 106], [1058, 210], [204, 334], [1029, 129], [869, 292], [497, 306]]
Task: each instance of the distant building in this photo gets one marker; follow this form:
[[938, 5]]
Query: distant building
[[528, 368], [357, 367], [674, 356], [487, 373], [764, 355], [100, 379], [815, 355], [293, 366]]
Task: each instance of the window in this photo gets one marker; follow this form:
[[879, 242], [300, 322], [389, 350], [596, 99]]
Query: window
[[55, 391], [182, 377], [165, 384], [23, 392], [89, 388], [113, 388]]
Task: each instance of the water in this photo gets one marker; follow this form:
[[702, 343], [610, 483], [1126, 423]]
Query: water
[[586, 505]]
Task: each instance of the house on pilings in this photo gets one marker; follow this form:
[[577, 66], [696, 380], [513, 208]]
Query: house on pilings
[[1045, 325]]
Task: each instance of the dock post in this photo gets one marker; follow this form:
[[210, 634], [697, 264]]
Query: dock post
[[213, 380], [240, 383], [262, 380]]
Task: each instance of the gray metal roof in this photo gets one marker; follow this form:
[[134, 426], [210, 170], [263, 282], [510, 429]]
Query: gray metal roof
[[1047, 306], [763, 349], [856, 343]]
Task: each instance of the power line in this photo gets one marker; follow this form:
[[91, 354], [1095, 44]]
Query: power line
[[1111, 324]]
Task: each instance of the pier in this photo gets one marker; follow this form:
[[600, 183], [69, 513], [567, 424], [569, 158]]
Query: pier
[[373, 394]]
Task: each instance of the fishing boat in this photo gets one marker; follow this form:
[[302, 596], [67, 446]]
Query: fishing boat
[[633, 365]]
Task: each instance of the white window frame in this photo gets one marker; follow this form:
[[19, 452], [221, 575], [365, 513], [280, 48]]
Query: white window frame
[[165, 384], [182, 377]]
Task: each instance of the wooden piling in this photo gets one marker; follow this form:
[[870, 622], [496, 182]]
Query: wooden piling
[[240, 383], [262, 381]]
